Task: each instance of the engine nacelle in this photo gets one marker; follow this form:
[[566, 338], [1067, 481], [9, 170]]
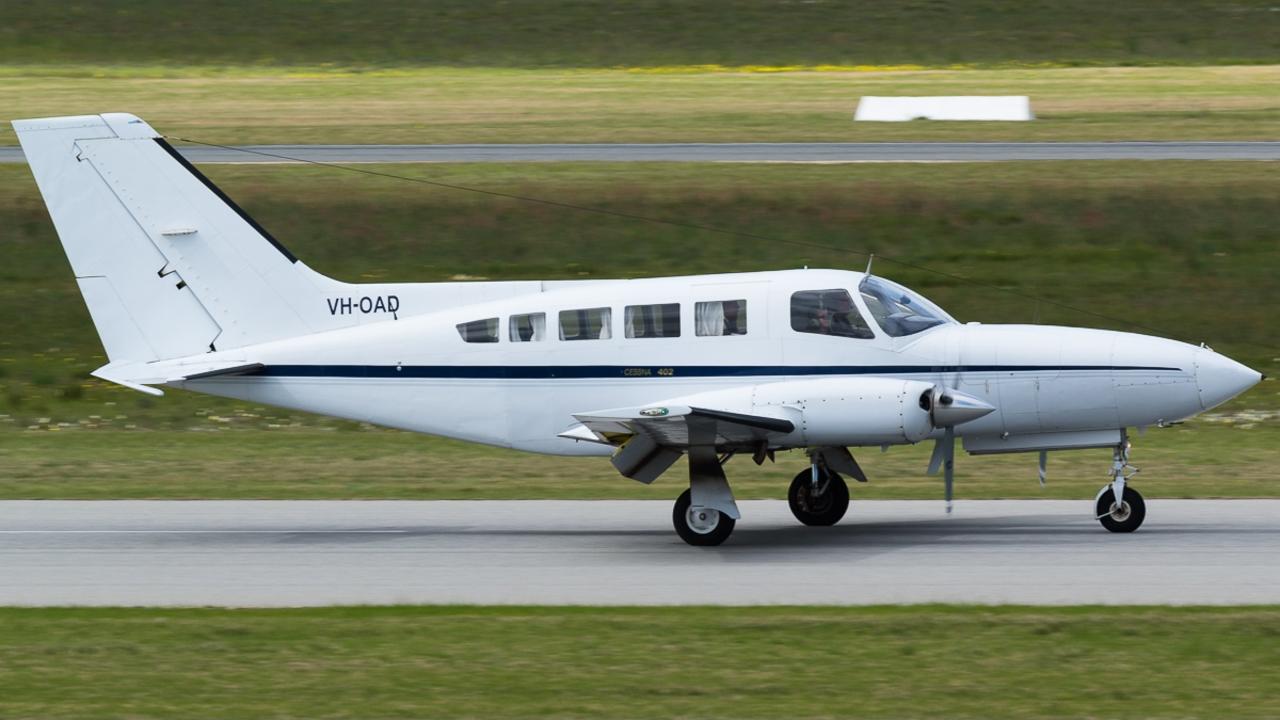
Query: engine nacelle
[[847, 411], [851, 411]]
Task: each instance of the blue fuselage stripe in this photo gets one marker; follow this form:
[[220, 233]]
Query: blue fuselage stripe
[[538, 372]]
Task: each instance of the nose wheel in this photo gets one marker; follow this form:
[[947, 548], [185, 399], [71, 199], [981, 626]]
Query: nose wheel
[[702, 526], [818, 497], [1124, 516]]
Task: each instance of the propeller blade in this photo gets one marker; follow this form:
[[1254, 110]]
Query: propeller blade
[[1044, 462], [949, 465], [935, 460]]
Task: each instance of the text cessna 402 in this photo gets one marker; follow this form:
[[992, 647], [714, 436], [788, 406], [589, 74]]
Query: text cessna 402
[[187, 291]]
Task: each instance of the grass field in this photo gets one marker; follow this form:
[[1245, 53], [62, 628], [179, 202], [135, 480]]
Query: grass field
[[600, 33], [473, 105], [242, 456], [466, 71], [801, 662]]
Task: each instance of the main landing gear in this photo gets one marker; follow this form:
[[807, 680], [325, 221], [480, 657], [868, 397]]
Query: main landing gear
[[818, 496], [1119, 507], [700, 526], [705, 514]]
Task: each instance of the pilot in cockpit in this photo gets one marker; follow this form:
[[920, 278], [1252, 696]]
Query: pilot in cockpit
[[827, 312], [833, 315]]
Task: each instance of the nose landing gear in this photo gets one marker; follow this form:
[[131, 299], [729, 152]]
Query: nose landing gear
[[1118, 507]]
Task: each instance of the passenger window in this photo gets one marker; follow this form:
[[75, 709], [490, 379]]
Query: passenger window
[[722, 317], [479, 331], [528, 328], [653, 321], [828, 312], [588, 324]]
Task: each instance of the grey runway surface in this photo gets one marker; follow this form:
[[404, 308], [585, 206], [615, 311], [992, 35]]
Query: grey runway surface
[[624, 552], [735, 152]]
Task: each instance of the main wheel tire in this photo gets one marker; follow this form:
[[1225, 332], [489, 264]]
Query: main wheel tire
[[1125, 519], [703, 527], [818, 509]]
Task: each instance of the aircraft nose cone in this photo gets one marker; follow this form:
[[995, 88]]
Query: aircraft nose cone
[[1220, 378], [951, 407]]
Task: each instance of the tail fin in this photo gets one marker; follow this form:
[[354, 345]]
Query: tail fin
[[168, 265]]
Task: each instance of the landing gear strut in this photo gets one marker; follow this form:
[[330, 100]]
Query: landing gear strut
[[818, 496], [1119, 507], [705, 513]]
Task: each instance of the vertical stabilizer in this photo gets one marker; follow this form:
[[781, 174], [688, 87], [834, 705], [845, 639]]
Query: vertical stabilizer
[[168, 265]]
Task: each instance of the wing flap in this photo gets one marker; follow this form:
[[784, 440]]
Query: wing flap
[[680, 426]]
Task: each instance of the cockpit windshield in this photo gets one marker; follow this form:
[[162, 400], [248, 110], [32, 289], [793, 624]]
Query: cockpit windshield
[[897, 310]]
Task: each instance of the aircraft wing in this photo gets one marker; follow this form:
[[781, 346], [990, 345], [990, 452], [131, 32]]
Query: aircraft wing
[[652, 438], [678, 426]]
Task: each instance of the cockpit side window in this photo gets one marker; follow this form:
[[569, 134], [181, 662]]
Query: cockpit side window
[[897, 310], [828, 312], [585, 324], [479, 331]]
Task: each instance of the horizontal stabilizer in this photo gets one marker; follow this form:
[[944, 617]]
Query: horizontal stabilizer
[[137, 376], [110, 374]]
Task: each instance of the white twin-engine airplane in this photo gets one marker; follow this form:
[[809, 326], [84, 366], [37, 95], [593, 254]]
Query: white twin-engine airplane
[[186, 290]]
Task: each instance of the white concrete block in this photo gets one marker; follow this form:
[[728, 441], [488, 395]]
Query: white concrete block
[[959, 107]]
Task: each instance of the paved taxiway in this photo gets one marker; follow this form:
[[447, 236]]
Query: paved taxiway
[[736, 152], [318, 553]]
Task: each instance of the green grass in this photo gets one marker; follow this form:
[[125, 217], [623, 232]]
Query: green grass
[[800, 662], [601, 33], [241, 457], [474, 105]]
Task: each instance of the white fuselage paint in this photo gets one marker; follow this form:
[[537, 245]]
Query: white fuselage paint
[[417, 373]]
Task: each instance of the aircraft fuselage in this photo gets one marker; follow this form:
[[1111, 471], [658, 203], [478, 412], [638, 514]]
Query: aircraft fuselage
[[417, 373]]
